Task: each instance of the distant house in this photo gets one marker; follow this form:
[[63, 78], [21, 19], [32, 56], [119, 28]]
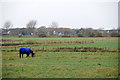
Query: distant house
[[64, 31], [113, 31], [4, 32], [14, 32], [10, 32]]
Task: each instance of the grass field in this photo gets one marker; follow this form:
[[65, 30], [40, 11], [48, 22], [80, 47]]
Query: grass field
[[67, 63]]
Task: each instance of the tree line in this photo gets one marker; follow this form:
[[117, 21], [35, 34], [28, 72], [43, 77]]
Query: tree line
[[53, 31]]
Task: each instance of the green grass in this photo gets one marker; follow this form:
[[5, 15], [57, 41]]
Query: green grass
[[61, 64], [110, 44]]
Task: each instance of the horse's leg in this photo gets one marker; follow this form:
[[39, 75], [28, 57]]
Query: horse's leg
[[19, 53], [32, 54], [27, 55]]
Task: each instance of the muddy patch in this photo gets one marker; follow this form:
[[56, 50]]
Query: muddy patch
[[70, 49], [99, 71]]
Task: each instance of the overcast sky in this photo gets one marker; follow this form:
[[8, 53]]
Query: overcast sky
[[67, 13]]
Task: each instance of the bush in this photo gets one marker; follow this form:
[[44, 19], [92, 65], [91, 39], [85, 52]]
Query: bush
[[31, 42], [42, 35], [115, 34]]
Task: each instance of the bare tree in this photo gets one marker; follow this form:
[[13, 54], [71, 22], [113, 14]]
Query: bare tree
[[8, 25], [31, 24], [54, 25], [52, 28]]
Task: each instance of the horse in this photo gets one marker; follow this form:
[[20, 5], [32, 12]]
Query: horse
[[26, 51]]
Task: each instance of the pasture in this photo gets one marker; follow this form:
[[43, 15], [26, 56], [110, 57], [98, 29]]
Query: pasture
[[61, 58]]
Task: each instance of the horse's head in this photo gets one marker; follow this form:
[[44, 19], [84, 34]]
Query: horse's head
[[33, 54]]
